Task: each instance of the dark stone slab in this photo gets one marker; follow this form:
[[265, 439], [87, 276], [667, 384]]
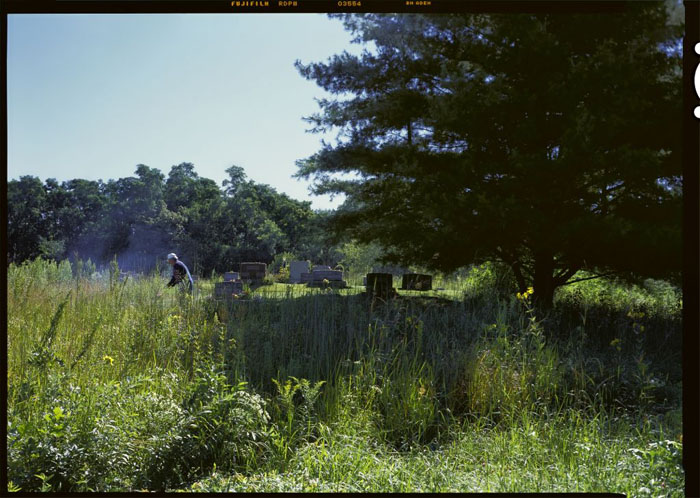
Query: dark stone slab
[[225, 290], [380, 285], [253, 271]]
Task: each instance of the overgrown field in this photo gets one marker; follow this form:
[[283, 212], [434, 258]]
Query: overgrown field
[[113, 387]]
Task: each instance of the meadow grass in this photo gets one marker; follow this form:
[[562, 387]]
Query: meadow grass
[[112, 386]]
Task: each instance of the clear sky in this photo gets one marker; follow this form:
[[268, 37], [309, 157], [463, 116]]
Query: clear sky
[[92, 96]]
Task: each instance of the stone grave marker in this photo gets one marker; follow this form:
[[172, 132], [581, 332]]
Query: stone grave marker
[[253, 271], [296, 268], [226, 289], [325, 277], [380, 285], [230, 276]]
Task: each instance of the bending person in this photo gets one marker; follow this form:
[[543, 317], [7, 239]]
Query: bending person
[[181, 274]]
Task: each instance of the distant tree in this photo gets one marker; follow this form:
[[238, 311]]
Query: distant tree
[[141, 218], [26, 217], [549, 142], [132, 226], [236, 178], [359, 259], [259, 221], [88, 203], [269, 239], [199, 204]]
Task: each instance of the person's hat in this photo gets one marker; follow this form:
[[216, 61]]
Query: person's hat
[[172, 255]]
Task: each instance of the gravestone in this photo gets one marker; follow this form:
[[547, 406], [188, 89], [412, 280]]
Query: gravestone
[[327, 274], [296, 268], [253, 271], [230, 276], [325, 277], [380, 285], [226, 289], [416, 281]]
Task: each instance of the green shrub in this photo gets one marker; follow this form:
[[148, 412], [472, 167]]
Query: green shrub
[[221, 426]]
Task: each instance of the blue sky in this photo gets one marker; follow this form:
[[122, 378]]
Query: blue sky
[[92, 96]]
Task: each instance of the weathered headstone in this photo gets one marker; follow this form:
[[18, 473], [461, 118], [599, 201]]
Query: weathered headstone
[[296, 268], [416, 281], [380, 285], [226, 289], [230, 276], [326, 278], [253, 271], [327, 274]]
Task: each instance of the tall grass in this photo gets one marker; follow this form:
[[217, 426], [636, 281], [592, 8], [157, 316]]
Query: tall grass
[[115, 387]]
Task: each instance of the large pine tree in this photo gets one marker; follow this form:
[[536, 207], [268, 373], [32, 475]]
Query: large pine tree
[[548, 142]]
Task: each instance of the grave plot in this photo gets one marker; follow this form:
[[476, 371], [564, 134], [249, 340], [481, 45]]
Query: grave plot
[[255, 272], [323, 276], [227, 288], [380, 285], [231, 276], [296, 269]]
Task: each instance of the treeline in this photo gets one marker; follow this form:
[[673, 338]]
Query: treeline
[[140, 218]]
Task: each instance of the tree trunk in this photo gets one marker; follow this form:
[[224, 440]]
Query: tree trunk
[[544, 284], [519, 278]]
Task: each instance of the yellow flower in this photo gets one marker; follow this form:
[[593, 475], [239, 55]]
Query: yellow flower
[[421, 391], [109, 359], [524, 295]]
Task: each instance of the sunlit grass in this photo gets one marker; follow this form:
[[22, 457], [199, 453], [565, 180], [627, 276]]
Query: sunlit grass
[[122, 385]]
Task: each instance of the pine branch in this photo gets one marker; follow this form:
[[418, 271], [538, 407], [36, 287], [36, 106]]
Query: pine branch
[[590, 278]]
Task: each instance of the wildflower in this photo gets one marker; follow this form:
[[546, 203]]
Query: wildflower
[[235, 296], [109, 359], [421, 391], [524, 295]]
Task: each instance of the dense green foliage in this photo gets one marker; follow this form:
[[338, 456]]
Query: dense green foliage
[[484, 147], [112, 387], [550, 142], [142, 218]]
